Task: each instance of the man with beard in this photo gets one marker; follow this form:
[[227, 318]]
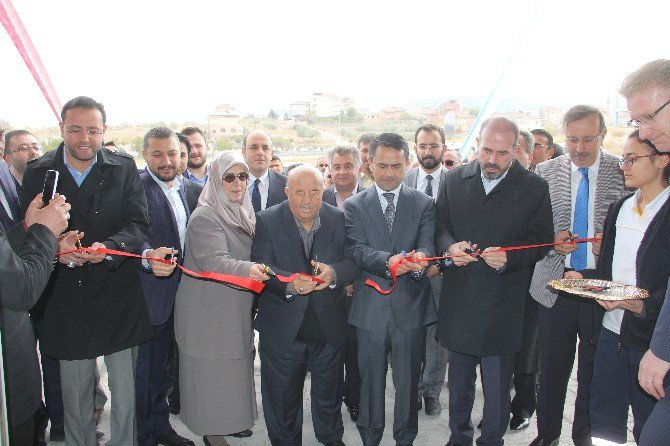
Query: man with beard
[[485, 205], [198, 170], [94, 305], [366, 180], [266, 187], [430, 148], [20, 147], [168, 216]]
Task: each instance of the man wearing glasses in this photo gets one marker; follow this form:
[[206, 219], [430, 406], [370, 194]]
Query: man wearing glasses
[[647, 92], [582, 185], [543, 147], [451, 159], [94, 305], [20, 147]]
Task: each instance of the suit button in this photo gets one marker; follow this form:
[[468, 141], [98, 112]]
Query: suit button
[[79, 283], [123, 245]]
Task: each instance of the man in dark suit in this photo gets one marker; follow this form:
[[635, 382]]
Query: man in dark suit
[[430, 147], [168, 216], [582, 185], [647, 92], [266, 188], [345, 163], [9, 200], [20, 147], [302, 324], [26, 261], [492, 203], [94, 305], [386, 223]]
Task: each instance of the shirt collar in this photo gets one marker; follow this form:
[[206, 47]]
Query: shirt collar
[[652, 205], [88, 169], [265, 178], [593, 168], [176, 184], [316, 224], [381, 191], [423, 174], [496, 180]]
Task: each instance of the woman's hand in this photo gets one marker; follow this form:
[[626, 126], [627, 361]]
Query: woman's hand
[[257, 272]]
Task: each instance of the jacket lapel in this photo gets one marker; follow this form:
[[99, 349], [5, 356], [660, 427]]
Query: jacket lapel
[[374, 210]]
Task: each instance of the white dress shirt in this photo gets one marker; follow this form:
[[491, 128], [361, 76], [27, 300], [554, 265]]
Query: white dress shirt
[[382, 199], [263, 187], [421, 182]]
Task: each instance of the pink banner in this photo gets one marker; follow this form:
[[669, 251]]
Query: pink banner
[[12, 23]]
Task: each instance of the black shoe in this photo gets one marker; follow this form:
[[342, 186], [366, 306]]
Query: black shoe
[[518, 423], [335, 443], [433, 406], [242, 434], [354, 410], [171, 438], [539, 441]]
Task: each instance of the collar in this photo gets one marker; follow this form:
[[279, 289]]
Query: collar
[[381, 192], [653, 205], [496, 180], [264, 178], [593, 168], [316, 224], [80, 172], [423, 174], [176, 184]]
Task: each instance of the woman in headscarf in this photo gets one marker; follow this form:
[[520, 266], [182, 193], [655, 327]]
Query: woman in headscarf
[[213, 320]]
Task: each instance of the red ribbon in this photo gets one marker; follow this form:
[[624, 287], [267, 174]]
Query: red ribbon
[[394, 268]]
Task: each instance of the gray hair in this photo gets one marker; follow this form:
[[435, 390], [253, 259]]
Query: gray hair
[[501, 124], [584, 111], [158, 133], [529, 141], [304, 168], [345, 150], [652, 74]]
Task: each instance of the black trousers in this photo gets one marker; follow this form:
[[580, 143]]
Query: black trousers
[[559, 327], [23, 434], [352, 378], [526, 364]]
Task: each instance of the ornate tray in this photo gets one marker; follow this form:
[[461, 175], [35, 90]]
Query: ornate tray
[[599, 289]]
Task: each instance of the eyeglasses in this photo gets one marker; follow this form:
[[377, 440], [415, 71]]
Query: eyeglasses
[[76, 130], [646, 120], [26, 147], [537, 145], [230, 177], [323, 165], [449, 163], [629, 160], [429, 146], [586, 139]]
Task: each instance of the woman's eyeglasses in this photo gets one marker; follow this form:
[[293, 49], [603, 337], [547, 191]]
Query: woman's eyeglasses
[[230, 177]]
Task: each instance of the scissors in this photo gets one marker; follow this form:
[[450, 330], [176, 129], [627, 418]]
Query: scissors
[[317, 269], [267, 270]]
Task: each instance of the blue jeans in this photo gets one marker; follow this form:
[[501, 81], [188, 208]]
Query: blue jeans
[[614, 387]]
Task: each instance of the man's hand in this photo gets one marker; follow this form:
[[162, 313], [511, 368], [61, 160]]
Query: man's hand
[[633, 305], [596, 245], [403, 268], [433, 271], [258, 272], [566, 248], [494, 259], [349, 289], [303, 285], [327, 275], [460, 256], [161, 269], [69, 242], [54, 216], [92, 256], [651, 373]]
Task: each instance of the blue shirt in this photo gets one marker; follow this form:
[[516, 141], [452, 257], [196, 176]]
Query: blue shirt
[[200, 181], [79, 177]]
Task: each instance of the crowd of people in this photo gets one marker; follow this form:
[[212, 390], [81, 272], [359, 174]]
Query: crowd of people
[[366, 260]]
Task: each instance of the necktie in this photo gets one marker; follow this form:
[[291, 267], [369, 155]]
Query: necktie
[[389, 213], [580, 224], [256, 196], [429, 185]]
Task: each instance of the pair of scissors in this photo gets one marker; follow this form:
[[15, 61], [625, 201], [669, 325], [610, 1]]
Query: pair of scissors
[[317, 269]]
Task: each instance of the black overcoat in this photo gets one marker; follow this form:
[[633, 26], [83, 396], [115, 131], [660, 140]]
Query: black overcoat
[[481, 310]]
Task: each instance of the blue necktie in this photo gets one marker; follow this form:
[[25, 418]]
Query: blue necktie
[[256, 196], [580, 224]]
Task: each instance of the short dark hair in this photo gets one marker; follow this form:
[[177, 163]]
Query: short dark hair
[[430, 128], [546, 134], [365, 138], [157, 133], [109, 143], [528, 139], [86, 103], [558, 150], [188, 131], [275, 158], [13, 133], [584, 111], [391, 140], [183, 139]]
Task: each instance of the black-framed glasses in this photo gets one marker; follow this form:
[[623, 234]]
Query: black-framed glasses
[[645, 120], [629, 160], [26, 147], [75, 129], [585, 139], [448, 163], [230, 177], [429, 146]]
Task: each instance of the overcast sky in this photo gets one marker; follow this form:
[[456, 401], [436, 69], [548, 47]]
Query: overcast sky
[[174, 61]]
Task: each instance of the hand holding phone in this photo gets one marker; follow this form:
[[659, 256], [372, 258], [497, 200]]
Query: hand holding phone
[[50, 185]]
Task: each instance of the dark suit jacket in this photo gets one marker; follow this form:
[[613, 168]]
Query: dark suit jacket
[[95, 310], [160, 292], [481, 310], [411, 177], [276, 193], [26, 261], [277, 243], [9, 189], [192, 190], [329, 195], [652, 266], [370, 245]]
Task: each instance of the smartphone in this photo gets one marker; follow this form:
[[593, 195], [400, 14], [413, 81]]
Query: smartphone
[[50, 184]]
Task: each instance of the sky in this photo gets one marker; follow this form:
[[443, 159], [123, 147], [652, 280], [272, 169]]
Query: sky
[[149, 61]]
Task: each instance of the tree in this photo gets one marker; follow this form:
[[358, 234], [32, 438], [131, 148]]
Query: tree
[[272, 114]]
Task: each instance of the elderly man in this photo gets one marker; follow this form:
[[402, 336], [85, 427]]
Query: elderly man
[[94, 305], [266, 187], [430, 148], [345, 162], [302, 324], [647, 92], [488, 204], [582, 185], [386, 223], [20, 147]]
